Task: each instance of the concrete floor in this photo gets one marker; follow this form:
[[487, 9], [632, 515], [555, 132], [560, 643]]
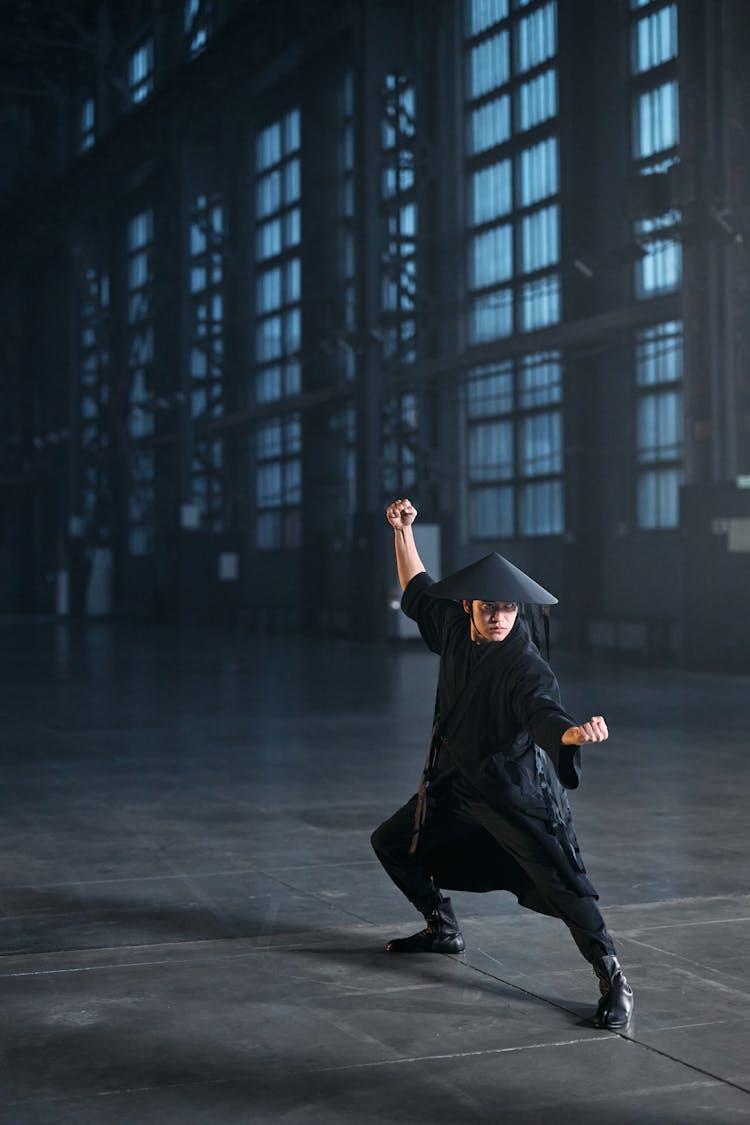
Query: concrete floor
[[192, 922]]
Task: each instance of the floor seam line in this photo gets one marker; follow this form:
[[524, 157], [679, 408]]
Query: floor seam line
[[623, 1035]]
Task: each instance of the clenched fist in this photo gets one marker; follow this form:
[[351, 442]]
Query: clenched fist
[[595, 730], [401, 514]]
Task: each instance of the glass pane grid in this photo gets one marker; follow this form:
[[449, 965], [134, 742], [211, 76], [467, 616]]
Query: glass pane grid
[[197, 22], [514, 247], [398, 273], [278, 482], [141, 355], [343, 356], [654, 39], [658, 499], [141, 72], [659, 424], [278, 283], [205, 374], [655, 127], [93, 400], [277, 485], [515, 447]]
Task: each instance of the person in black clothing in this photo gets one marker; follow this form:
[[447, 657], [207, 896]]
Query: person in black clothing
[[491, 811]]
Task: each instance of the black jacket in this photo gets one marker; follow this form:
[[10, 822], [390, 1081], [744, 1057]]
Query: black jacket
[[503, 740]]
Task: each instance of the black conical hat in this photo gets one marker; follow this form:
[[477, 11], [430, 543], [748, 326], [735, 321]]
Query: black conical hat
[[492, 579]]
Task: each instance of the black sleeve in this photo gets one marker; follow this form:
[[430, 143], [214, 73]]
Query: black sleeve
[[431, 614], [535, 700]]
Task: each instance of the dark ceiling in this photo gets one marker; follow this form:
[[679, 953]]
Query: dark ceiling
[[40, 42]]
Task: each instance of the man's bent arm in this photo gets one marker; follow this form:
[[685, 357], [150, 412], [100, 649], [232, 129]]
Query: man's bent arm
[[401, 515], [595, 730]]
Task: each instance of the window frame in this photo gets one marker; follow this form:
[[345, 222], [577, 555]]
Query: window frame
[[526, 294], [517, 484], [665, 470]]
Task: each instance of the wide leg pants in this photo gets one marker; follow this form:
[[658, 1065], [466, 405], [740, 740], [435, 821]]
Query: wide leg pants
[[527, 869]]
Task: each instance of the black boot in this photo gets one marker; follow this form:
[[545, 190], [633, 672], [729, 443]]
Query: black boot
[[616, 1005], [441, 936]]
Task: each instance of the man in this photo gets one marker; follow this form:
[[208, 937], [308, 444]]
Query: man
[[491, 812]]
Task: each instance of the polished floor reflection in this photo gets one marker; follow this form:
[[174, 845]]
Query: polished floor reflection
[[192, 922]]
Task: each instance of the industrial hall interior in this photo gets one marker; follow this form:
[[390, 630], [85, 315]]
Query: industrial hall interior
[[269, 266]]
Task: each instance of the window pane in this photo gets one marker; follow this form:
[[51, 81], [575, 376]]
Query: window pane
[[292, 131], [268, 194], [268, 290], [488, 65], [491, 317], [292, 481], [292, 182], [268, 339], [292, 228], [491, 193], [268, 147], [292, 378], [491, 451], [539, 381], [536, 38], [537, 100], [660, 270], [540, 508], [540, 444], [491, 512], [660, 427], [540, 303], [481, 14], [538, 172], [268, 439], [655, 39], [140, 230], [489, 125], [293, 280], [658, 498], [540, 240], [659, 354], [268, 384], [656, 120], [292, 331], [491, 257], [490, 391]]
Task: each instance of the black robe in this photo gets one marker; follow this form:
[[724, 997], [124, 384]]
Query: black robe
[[501, 745]]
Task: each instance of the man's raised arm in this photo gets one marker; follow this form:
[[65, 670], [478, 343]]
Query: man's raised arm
[[401, 515]]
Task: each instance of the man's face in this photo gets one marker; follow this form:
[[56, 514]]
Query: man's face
[[491, 621]]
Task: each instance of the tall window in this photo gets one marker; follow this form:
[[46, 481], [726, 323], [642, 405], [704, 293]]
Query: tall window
[[514, 416], [400, 431], [515, 457], [512, 168], [278, 329], [343, 426], [347, 244], [278, 482], [206, 355], [140, 420], [94, 364], [399, 277], [658, 365], [86, 124], [141, 72], [399, 265], [655, 134], [278, 290], [343, 421], [197, 23]]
